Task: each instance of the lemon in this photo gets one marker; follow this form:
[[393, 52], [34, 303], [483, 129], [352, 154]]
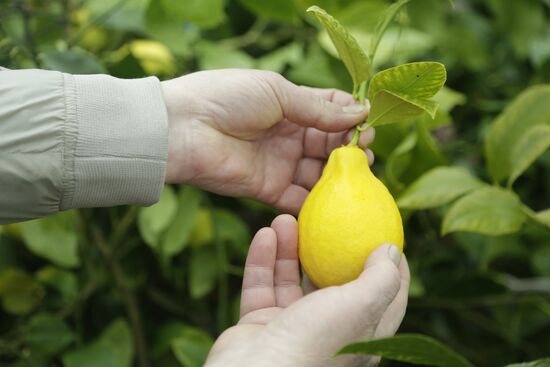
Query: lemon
[[202, 233], [348, 213]]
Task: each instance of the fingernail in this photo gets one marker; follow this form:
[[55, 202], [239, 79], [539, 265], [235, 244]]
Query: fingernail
[[394, 254], [355, 108]]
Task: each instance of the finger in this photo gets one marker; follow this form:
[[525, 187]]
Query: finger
[[365, 137], [304, 107], [318, 144], [370, 156], [376, 287], [315, 142], [287, 267], [396, 311], [308, 172], [334, 95], [357, 307], [292, 199], [258, 291]]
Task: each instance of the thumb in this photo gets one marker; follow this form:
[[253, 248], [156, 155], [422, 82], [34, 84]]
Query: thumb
[[377, 286], [303, 107]]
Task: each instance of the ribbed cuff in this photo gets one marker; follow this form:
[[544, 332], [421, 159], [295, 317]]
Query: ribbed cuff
[[121, 146]]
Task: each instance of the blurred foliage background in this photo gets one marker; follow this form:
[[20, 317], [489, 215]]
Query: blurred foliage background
[[150, 286]]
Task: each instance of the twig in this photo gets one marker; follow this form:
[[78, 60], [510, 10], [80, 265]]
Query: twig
[[252, 35], [130, 302]]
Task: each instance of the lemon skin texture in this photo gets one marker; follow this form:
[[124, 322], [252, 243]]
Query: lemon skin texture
[[348, 213]]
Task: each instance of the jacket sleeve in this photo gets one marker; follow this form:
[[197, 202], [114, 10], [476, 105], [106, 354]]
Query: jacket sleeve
[[76, 141]]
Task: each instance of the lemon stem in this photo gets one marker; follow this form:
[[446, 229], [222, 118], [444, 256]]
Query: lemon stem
[[359, 97]]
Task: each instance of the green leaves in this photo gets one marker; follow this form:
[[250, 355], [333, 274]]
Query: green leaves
[[411, 348], [397, 94], [54, 238], [402, 92], [113, 348], [437, 187], [352, 55], [488, 210], [507, 136]]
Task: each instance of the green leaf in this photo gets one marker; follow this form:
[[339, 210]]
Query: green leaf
[[350, 52], [488, 210], [74, 62], [417, 80], [191, 348], [19, 292], [65, 282], [47, 334], [176, 237], [388, 108], [203, 271], [114, 348], [411, 348], [154, 220], [437, 187], [281, 10], [54, 238], [527, 149], [388, 16], [413, 83], [544, 362], [529, 109]]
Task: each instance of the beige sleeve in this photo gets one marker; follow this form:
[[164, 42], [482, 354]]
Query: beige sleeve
[[75, 141]]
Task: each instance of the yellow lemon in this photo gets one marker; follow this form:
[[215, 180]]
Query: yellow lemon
[[202, 233], [348, 214]]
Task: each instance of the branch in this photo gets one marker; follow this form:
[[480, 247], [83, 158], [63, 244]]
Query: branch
[[252, 35], [128, 298]]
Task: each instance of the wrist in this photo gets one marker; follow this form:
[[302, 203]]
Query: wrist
[[181, 162]]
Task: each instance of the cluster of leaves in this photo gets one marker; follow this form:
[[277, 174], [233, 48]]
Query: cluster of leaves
[[142, 286]]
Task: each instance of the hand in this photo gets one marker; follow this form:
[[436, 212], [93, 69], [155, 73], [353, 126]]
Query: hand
[[254, 134], [280, 326]]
